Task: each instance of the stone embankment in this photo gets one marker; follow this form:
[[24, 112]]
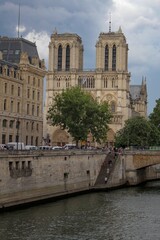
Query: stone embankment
[[31, 177]]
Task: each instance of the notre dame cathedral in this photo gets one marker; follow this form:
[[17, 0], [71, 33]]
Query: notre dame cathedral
[[110, 80]]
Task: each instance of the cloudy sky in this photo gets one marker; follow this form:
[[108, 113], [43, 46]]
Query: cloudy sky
[[139, 20]]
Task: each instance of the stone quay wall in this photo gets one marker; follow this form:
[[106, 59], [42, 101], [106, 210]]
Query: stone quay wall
[[32, 176]]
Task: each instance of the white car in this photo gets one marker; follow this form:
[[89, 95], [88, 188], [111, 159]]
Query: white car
[[30, 147], [56, 148]]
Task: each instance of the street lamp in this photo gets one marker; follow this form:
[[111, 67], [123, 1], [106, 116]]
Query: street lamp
[[17, 136]]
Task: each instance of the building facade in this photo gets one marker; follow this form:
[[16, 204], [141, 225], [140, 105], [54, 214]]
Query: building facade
[[21, 92], [110, 80]]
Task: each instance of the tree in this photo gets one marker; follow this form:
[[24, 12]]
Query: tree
[[137, 131], [154, 117], [80, 114]]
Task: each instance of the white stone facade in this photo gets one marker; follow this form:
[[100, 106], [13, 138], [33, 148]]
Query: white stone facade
[[110, 80]]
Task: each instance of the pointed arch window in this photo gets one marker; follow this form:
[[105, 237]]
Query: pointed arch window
[[106, 58], [60, 58], [114, 58], [113, 107], [67, 58]]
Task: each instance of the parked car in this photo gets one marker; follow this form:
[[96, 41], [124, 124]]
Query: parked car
[[57, 148], [69, 146], [30, 147]]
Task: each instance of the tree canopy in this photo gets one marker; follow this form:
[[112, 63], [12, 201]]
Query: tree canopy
[[154, 117], [138, 131], [80, 114]]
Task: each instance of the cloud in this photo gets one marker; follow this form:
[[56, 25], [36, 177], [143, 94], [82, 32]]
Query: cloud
[[42, 41], [140, 22]]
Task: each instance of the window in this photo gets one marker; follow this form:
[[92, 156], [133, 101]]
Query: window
[[36, 141], [34, 81], [11, 124], [3, 139], [5, 88], [38, 96], [28, 79], [23, 164], [32, 110], [37, 127], [67, 58], [33, 93], [60, 58], [12, 89], [27, 125], [10, 165], [18, 124], [37, 111], [67, 83], [113, 107], [19, 91], [28, 108], [26, 140], [18, 107], [4, 123], [10, 138], [29, 163], [5, 105], [28, 93], [32, 126], [31, 140], [58, 83], [114, 58], [105, 83], [17, 165], [106, 57], [11, 106], [113, 83]]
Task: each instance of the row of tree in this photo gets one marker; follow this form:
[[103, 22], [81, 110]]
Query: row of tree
[[81, 114]]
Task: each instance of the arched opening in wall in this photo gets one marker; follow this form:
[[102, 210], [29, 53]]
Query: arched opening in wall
[[106, 58], [114, 58], [60, 58], [59, 138], [67, 58], [110, 138], [113, 107]]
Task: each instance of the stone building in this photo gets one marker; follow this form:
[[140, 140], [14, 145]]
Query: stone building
[[21, 92], [110, 80]]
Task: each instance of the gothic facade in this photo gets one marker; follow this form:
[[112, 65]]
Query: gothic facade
[[110, 80]]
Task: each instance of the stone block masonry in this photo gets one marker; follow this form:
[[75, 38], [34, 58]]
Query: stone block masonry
[[28, 177]]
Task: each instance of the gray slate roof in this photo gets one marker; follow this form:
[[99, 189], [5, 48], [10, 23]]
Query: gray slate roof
[[13, 47]]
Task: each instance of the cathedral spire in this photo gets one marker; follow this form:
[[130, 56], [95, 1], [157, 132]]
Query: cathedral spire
[[19, 15], [109, 22]]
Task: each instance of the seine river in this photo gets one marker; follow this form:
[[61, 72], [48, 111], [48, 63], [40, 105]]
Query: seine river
[[130, 214]]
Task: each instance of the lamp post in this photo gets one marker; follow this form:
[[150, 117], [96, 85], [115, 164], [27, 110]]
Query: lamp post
[[17, 126]]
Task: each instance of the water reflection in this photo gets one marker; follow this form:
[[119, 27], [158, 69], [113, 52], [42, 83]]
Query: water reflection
[[131, 213]]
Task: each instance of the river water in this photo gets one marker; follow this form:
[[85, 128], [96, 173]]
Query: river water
[[123, 214]]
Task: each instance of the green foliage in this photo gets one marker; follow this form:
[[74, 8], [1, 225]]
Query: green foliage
[[80, 114], [154, 117], [137, 131]]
